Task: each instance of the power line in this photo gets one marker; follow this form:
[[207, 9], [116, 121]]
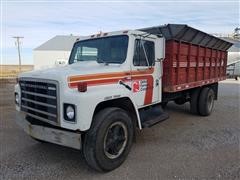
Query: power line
[[18, 47]]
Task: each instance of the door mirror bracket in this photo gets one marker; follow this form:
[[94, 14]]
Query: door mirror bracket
[[159, 59]]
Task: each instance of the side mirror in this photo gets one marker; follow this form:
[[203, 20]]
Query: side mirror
[[159, 59], [60, 62]]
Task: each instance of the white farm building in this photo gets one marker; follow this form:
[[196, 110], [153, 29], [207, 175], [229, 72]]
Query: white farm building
[[54, 52]]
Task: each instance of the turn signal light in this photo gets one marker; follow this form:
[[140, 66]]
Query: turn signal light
[[82, 86]]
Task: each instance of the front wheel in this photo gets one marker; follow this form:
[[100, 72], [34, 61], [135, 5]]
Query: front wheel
[[108, 142]]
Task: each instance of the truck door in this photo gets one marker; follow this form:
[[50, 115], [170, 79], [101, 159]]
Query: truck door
[[145, 73]]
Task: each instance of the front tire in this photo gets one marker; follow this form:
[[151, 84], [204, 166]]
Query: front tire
[[109, 140]]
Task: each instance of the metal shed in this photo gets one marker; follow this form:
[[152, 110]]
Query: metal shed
[[53, 52]]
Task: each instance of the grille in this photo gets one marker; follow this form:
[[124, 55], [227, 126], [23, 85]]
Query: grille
[[39, 99]]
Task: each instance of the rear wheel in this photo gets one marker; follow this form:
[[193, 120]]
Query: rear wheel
[[194, 96], [164, 104], [108, 142], [206, 101], [180, 101]]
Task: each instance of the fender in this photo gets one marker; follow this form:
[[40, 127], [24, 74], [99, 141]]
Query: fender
[[125, 103]]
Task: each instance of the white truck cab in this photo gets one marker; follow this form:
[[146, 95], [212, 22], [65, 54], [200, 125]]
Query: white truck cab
[[94, 102]]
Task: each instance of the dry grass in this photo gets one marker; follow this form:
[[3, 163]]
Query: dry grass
[[11, 71]]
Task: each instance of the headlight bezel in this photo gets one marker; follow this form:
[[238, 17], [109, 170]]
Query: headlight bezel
[[66, 106]]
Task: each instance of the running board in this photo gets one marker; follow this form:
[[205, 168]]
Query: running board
[[152, 116]]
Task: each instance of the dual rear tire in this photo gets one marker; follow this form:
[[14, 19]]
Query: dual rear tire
[[202, 101]]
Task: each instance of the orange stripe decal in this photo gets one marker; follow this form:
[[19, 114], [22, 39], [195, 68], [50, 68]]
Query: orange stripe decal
[[95, 82], [114, 77], [149, 90], [96, 76], [108, 75]]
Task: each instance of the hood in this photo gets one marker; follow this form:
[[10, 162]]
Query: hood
[[79, 68]]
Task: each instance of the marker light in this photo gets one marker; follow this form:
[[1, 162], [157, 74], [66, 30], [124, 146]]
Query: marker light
[[17, 98], [82, 86]]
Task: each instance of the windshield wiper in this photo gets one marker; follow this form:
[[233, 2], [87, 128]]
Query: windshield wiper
[[78, 60], [102, 61]]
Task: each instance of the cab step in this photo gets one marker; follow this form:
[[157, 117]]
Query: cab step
[[152, 116]]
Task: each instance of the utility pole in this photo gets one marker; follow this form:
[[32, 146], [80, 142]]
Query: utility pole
[[18, 47]]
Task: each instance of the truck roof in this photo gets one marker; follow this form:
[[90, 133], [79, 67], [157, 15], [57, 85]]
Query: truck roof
[[114, 33], [185, 33]]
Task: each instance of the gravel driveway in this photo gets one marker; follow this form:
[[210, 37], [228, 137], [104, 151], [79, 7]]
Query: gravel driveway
[[183, 147]]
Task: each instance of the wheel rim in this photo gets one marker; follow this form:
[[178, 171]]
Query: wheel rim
[[210, 102], [115, 140]]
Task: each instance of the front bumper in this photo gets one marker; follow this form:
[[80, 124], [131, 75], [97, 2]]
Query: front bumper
[[56, 136]]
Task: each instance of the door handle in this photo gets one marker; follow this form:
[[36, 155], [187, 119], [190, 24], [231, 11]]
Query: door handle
[[145, 69]]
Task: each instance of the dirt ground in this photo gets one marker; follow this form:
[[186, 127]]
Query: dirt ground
[[183, 147], [11, 71]]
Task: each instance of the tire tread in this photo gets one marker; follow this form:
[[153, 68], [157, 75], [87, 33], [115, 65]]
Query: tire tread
[[90, 140]]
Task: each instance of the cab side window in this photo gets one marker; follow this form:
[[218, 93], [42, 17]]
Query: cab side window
[[139, 58]]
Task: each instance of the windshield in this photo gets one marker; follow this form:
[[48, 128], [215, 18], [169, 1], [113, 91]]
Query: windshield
[[103, 50]]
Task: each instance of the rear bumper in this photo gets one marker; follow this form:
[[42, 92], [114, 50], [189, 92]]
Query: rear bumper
[[56, 136]]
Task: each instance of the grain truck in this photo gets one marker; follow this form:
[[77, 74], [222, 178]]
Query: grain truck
[[116, 82]]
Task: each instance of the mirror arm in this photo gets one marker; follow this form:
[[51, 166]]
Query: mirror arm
[[159, 59]]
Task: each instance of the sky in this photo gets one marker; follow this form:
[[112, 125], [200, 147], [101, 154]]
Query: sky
[[38, 21]]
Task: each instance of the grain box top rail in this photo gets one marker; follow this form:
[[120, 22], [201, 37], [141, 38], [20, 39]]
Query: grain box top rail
[[185, 33]]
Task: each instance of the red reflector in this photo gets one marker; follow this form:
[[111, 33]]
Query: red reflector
[[82, 86]]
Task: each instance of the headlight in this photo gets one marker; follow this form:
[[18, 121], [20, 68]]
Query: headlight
[[69, 112], [16, 98]]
